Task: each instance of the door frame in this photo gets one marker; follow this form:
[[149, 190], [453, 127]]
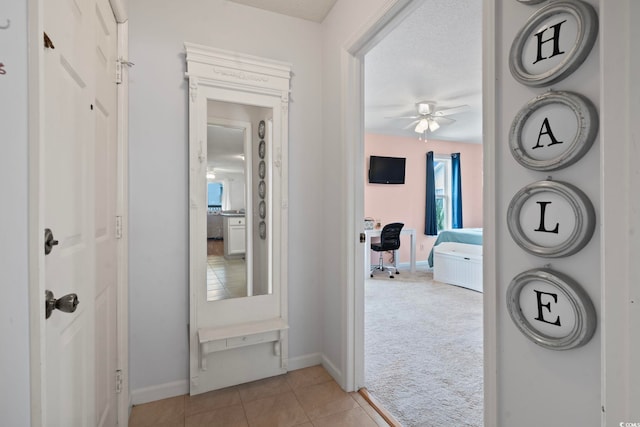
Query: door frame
[[352, 96], [35, 221]]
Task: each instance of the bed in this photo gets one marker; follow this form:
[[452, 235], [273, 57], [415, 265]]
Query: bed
[[471, 236]]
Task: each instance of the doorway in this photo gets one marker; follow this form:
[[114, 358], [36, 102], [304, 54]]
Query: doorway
[[377, 136]]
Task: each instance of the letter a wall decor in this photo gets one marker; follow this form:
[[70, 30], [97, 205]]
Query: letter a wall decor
[[553, 131], [552, 219], [554, 42]]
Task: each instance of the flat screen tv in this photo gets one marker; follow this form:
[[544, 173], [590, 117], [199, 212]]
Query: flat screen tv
[[386, 170]]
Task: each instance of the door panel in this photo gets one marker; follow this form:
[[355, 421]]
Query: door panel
[[68, 211]]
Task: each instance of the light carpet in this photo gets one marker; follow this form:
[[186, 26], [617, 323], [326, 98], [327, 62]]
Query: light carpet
[[423, 350]]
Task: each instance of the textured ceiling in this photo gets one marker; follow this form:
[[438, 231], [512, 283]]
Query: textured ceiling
[[435, 54], [312, 10]]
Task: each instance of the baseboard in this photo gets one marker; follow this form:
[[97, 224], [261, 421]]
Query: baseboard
[[333, 371], [305, 361], [159, 392]]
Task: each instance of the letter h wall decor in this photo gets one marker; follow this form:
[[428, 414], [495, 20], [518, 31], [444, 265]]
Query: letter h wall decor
[[547, 218]]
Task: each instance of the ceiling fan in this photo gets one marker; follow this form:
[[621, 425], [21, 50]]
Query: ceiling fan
[[430, 118]]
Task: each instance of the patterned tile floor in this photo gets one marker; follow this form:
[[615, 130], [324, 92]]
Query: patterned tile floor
[[306, 397]]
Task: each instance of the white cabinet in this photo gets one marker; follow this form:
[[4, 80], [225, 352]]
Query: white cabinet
[[235, 232]]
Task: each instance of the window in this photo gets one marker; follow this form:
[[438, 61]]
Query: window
[[214, 195], [442, 175]]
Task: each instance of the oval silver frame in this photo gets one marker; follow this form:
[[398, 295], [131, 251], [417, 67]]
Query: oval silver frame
[[262, 169], [587, 19], [531, 1], [262, 209], [583, 309], [582, 208], [586, 114], [262, 227]]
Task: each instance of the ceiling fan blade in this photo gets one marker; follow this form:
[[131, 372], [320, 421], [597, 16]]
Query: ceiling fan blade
[[410, 125], [452, 110], [403, 117], [444, 120]]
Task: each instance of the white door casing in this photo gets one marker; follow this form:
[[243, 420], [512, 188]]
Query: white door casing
[[105, 170]]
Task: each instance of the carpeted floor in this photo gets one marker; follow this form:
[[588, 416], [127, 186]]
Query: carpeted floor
[[423, 350]]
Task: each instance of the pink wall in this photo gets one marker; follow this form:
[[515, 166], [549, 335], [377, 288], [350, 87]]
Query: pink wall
[[406, 202]]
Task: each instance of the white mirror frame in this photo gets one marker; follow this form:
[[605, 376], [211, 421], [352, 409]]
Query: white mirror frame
[[587, 20], [584, 313], [585, 133], [220, 75], [582, 208]]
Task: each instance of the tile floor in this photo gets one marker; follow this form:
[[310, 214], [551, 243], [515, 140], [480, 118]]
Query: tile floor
[[225, 278], [307, 398]]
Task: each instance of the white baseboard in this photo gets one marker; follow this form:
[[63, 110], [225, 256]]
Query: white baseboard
[[178, 388], [159, 392], [333, 371], [304, 361]]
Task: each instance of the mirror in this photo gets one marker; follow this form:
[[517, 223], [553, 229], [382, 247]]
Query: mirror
[[237, 179], [238, 217]]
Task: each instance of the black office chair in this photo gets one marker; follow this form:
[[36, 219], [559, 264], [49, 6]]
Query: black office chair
[[389, 241]]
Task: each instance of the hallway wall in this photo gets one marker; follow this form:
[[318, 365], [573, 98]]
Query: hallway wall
[[14, 216], [159, 247]]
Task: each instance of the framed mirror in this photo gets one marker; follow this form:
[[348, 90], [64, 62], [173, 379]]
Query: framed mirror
[[238, 139]]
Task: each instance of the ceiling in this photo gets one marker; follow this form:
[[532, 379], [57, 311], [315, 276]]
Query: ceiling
[[312, 10], [435, 54]]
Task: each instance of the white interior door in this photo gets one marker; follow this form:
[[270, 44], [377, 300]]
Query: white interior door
[[78, 198]]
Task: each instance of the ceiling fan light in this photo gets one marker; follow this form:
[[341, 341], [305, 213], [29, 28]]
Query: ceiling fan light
[[422, 126], [433, 125]]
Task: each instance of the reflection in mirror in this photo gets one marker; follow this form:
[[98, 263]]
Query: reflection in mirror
[[236, 252], [226, 260]]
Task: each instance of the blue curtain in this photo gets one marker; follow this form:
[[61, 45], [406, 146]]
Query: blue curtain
[[430, 220], [456, 192]]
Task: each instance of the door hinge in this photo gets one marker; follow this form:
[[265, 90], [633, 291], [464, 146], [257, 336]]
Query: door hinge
[[48, 44], [119, 381], [119, 63], [118, 227], [363, 238]]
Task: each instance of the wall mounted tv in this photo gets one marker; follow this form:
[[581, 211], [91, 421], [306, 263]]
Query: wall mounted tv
[[386, 170]]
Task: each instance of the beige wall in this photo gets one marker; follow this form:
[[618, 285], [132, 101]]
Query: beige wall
[[406, 203]]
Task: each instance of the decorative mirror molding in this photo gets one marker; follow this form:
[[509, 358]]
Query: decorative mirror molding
[[242, 337], [551, 309], [551, 219], [554, 42], [531, 2], [554, 130]]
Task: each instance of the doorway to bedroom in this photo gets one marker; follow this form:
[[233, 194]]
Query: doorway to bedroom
[[423, 338]]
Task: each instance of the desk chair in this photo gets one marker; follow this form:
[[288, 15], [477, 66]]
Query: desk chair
[[389, 241]]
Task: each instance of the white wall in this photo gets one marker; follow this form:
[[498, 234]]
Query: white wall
[[159, 172], [345, 19], [14, 315], [532, 381]]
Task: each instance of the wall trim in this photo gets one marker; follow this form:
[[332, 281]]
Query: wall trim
[[489, 207], [305, 361], [159, 392], [122, 210], [332, 369]]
